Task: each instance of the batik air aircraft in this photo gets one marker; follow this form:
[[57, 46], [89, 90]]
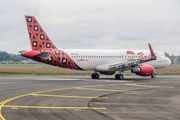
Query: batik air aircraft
[[141, 62]]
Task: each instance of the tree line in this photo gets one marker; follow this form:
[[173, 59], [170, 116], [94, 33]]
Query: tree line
[[4, 56], [174, 59]]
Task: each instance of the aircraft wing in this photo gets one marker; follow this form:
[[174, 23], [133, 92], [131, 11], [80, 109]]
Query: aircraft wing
[[128, 64]]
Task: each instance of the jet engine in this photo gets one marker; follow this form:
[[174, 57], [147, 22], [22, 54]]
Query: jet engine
[[143, 70], [107, 72]]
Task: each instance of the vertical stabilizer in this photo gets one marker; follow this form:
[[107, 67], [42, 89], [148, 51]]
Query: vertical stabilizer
[[38, 38]]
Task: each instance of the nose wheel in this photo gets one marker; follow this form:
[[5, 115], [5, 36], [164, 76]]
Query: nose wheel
[[95, 76], [153, 76], [119, 77]]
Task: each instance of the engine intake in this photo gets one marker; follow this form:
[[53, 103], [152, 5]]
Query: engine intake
[[143, 70]]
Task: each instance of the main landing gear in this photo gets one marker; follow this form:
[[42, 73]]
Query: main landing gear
[[95, 76], [119, 77]]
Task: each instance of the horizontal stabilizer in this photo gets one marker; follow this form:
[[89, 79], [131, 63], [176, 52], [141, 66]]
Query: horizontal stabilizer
[[45, 55]]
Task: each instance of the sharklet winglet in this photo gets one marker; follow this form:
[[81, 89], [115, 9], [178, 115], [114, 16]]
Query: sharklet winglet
[[151, 50]]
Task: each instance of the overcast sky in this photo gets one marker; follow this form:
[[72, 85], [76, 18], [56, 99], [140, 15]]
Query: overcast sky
[[94, 24]]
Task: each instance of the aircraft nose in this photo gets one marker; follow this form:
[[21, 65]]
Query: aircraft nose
[[22, 54], [169, 61]]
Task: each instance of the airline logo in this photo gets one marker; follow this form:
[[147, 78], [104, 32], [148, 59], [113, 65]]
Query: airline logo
[[131, 56], [38, 38], [82, 60], [144, 57]]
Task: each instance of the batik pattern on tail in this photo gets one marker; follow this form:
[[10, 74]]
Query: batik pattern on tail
[[40, 43], [39, 39]]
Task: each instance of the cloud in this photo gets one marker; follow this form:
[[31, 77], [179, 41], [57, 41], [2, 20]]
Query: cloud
[[84, 24]]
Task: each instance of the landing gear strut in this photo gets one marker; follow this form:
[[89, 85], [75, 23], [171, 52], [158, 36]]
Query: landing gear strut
[[153, 76], [119, 77], [95, 76]]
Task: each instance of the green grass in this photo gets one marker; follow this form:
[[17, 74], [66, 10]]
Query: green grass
[[56, 74]]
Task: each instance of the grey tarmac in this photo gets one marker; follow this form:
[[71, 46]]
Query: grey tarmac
[[83, 98]]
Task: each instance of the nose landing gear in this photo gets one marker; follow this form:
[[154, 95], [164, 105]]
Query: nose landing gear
[[153, 76]]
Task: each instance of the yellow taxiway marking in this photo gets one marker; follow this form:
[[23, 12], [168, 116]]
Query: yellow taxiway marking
[[13, 98], [101, 89], [54, 107], [54, 90], [104, 85], [8, 100], [149, 86], [69, 96]]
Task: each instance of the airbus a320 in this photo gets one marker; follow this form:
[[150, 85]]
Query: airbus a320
[[141, 62]]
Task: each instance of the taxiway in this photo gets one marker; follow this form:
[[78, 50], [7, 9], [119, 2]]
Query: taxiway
[[81, 98]]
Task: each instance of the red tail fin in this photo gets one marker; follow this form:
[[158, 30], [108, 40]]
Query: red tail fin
[[39, 39]]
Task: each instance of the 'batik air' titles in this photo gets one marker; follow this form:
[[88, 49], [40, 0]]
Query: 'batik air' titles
[[143, 57], [41, 43], [131, 56]]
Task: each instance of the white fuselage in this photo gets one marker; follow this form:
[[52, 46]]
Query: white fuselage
[[91, 59]]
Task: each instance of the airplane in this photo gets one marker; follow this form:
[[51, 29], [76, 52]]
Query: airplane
[[107, 62]]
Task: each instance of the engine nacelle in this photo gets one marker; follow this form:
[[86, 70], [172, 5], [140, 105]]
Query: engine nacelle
[[143, 70], [107, 72]]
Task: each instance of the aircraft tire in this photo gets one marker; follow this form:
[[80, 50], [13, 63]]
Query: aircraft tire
[[153, 76], [119, 77], [95, 76]]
